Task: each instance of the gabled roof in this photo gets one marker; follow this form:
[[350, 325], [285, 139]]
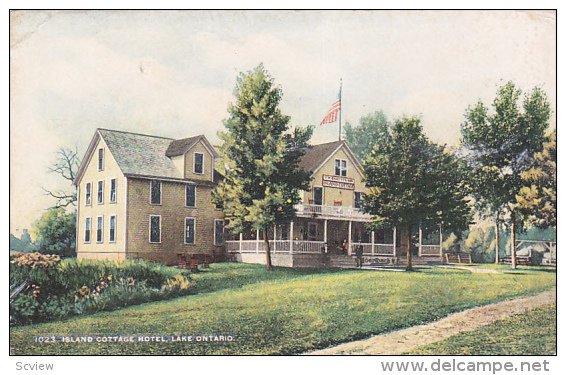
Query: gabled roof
[[317, 155], [141, 154], [181, 146]]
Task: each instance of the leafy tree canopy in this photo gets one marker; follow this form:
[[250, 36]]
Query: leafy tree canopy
[[499, 145], [537, 199], [371, 130], [414, 181], [55, 232]]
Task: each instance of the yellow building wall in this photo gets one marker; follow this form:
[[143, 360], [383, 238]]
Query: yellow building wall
[[208, 163], [330, 195], [173, 212], [105, 249]]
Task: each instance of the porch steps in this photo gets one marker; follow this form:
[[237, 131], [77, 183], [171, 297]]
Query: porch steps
[[420, 261], [341, 261]]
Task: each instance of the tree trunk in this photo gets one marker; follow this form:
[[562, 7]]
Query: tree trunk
[[409, 266], [496, 241], [513, 250], [268, 264]]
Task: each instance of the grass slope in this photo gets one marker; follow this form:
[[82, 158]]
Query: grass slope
[[286, 311], [532, 333]]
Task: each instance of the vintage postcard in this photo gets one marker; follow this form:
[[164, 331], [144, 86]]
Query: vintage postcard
[[271, 182]]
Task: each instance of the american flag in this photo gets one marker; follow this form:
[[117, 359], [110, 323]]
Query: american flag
[[332, 114]]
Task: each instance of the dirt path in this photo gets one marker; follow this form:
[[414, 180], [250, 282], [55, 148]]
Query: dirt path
[[401, 341]]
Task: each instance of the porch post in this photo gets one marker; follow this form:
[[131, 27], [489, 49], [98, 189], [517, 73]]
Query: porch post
[[257, 241], [372, 242], [440, 239], [325, 230], [241, 236], [291, 238], [395, 241], [350, 237], [420, 240]]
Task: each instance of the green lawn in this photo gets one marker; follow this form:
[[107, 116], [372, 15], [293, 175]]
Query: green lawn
[[286, 311], [533, 333]]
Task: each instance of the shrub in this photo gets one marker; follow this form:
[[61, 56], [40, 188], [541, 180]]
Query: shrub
[[57, 289]]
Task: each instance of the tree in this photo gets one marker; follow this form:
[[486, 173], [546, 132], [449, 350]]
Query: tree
[[537, 199], [499, 147], [66, 165], [261, 178], [413, 181], [55, 232], [372, 129]]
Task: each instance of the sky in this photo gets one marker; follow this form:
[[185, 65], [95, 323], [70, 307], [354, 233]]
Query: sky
[[172, 73]]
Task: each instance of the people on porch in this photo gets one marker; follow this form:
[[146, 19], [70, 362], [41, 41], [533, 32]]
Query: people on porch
[[359, 255], [344, 247]]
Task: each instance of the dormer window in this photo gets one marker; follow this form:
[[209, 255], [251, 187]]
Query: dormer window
[[199, 163], [340, 167], [100, 159]]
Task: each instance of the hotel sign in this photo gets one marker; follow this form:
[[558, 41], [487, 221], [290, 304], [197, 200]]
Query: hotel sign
[[338, 182]]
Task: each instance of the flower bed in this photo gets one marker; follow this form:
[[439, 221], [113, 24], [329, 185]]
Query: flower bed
[[51, 288]]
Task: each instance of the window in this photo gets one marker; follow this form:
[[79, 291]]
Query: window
[[340, 167], [190, 196], [99, 228], [189, 230], [112, 234], [154, 228], [312, 231], [317, 195], [155, 191], [358, 199], [88, 193], [199, 163], [218, 232], [100, 159], [113, 190], [100, 192], [87, 230]]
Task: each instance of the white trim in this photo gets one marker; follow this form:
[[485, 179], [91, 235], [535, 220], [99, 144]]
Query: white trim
[[101, 229], [195, 162], [89, 192], [115, 191], [218, 244], [341, 168], [89, 230], [98, 191], [194, 230], [149, 238], [110, 240], [195, 206], [125, 214], [98, 159], [151, 192]]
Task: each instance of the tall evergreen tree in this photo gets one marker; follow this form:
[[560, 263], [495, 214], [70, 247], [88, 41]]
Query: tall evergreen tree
[[413, 181], [260, 156], [499, 147]]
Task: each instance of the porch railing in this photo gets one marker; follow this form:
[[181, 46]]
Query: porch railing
[[430, 250], [330, 211], [301, 247]]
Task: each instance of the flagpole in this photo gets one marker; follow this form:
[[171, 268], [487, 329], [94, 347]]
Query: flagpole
[[340, 114]]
